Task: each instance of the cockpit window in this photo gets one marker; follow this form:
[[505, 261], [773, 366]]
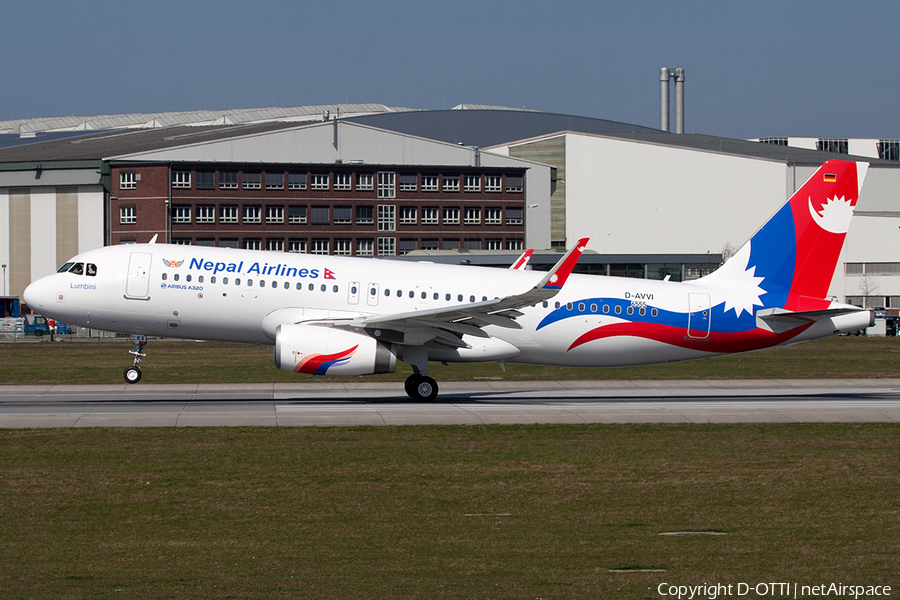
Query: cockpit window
[[65, 267], [78, 269], [91, 270]]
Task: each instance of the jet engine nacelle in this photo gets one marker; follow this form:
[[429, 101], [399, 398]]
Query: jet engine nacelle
[[329, 351]]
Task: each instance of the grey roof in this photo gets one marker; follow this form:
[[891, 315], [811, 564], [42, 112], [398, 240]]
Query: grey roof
[[484, 127], [192, 117]]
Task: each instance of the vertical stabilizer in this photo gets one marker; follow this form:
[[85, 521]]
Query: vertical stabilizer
[[792, 258]]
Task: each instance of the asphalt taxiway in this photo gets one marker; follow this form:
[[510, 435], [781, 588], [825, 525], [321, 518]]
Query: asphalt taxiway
[[463, 403]]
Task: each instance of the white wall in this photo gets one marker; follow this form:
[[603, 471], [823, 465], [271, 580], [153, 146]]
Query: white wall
[[90, 217], [43, 232], [4, 240], [634, 197]]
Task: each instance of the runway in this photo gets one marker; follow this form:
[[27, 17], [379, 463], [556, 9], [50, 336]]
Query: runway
[[464, 403]]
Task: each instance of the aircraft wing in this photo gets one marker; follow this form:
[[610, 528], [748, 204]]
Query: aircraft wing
[[447, 325], [522, 262]]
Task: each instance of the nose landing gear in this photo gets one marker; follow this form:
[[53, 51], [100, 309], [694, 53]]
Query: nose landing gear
[[133, 373]]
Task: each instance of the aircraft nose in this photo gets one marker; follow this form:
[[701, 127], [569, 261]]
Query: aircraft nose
[[35, 295]]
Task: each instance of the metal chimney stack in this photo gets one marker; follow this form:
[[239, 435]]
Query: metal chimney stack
[[665, 74]]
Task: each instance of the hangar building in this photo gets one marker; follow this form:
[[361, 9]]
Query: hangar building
[[472, 184]]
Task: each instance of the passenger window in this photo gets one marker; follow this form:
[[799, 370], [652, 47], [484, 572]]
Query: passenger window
[[546, 304], [581, 307], [287, 285], [211, 279], [569, 306], [436, 295], [353, 289], [653, 312], [91, 269], [237, 281], [459, 298], [78, 269], [606, 309], [618, 310], [642, 311], [411, 294], [387, 292], [557, 305], [187, 278], [471, 298], [249, 283], [312, 287], [299, 286], [334, 289], [275, 284], [323, 287], [165, 276], [175, 277], [399, 293], [200, 279], [424, 295], [224, 281], [447, 297], [630, 310], [593, 308]]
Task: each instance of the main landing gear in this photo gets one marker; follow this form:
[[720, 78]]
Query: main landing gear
[[421, 388], [133, 373]]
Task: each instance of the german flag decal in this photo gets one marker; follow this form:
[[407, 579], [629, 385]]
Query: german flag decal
[[830, 178]]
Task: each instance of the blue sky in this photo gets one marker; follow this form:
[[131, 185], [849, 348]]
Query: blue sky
[[752, 68]]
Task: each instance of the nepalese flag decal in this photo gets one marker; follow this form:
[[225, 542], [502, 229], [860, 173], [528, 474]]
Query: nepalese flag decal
[[329, 274], [318, 364], [173, 263]]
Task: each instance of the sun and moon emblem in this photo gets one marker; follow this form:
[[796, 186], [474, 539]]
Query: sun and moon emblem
[[834, 216], [744, 290]]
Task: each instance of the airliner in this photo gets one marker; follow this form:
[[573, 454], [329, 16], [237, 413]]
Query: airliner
[[333, 315]]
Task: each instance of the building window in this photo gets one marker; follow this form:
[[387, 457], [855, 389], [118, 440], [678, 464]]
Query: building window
[[127, 214], [889, 149], [429, 216], [251, 244], [296, 181], [275, 245], [297, 246], [206, 180], [430, 244], [181, 179], [473, 216], [206, 214], [513, 216], [472, 244], [451, 183], [386, 185], [472, 183], [252, 181], [252, 214], [408, 215], [365, 215], [493, 216], [228, 243], [319, 247], [296, 214], [182, 242], [343, 214], [319, 182], [774, 140], [364, 181], [228, 180], [364, 247], [128, 180], [319, 216], [451, 216], [228, 214], [429, 183], [493, 244], [513, 244], [342, 247], [342, 181], [408, 183], [838, 145], [450, 244], [513, 183], [387, 246], [274, 214], [387, 217], [274, 181], [406, 246], [181, 214], [492, 183]]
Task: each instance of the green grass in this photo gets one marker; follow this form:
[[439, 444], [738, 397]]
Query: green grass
[[443, 512], [95, 362]]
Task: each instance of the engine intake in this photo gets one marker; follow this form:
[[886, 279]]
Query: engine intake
[[329, 351]]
